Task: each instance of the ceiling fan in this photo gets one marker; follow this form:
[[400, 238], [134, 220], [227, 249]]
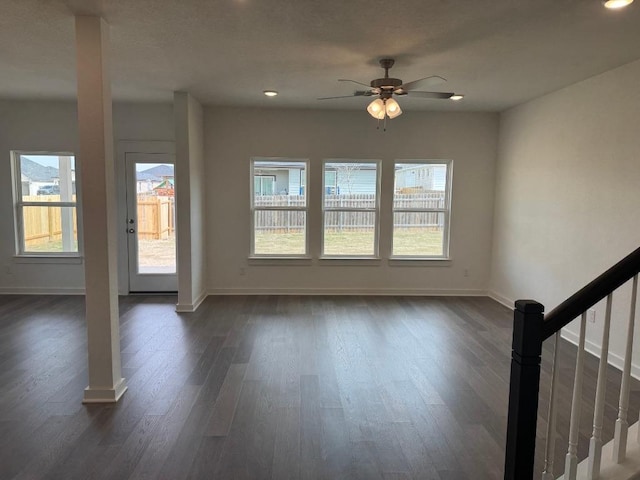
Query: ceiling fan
[[385, 88]]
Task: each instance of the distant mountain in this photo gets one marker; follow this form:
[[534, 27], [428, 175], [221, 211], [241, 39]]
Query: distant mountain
[[155, 173], [36, 172]]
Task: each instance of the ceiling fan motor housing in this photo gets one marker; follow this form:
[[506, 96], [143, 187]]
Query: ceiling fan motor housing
[[386, 83]]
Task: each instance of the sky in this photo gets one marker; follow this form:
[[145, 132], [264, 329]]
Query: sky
[[52, 161], [46, 160]]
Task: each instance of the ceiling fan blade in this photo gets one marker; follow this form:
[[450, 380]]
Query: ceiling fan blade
[[414, 93], [341, 96], [359, 93], [354, 81], [426, 82]]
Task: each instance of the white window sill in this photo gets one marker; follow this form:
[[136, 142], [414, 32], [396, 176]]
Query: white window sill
[[346, 260], [419, 262], [279, 261], [60, 259]]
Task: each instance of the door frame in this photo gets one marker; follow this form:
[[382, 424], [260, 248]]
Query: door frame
[[143, 282], [123, 147]]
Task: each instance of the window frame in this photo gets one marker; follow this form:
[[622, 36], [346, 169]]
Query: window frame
[[19, 205], [254, 209], [446, 210], [375, 210]]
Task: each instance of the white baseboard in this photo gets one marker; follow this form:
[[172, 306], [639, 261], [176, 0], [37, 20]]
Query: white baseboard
[[614, 360], [507, 302], [105, 395], [41, 291], [191, 307], [349, 291]]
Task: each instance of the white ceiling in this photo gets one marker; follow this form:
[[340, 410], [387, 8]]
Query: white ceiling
[[499, 53]]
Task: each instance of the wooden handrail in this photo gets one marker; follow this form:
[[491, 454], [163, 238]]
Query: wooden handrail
[[591, 294]]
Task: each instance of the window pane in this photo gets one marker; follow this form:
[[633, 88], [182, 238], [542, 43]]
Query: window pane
[[279, 183], [280, 232], [47, 178], [350, 185], [50, 229], [418, 233], [349, 233], [420, 185]]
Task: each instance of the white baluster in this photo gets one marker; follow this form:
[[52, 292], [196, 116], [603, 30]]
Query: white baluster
[[595, 445], [571, 461], [547, 473], [622, 425]]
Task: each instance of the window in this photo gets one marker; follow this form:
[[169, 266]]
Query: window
[[421, 209], [264, 184], [279, 207], [350, 208], [45, 203]]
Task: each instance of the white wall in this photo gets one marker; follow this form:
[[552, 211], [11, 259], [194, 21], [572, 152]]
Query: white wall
[[52, 126], [233, 136], [567, 193]]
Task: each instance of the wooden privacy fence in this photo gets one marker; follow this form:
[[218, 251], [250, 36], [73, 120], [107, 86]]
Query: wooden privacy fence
[[287, 220], [156, 217], [44, 224]]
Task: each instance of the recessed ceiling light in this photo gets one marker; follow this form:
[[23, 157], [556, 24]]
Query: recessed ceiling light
[[613, 4], [270, 93], [456, 97]]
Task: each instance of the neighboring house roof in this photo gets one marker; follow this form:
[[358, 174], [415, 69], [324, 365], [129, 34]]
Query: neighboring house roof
[[157, 173], [35, 172], [168, 183]]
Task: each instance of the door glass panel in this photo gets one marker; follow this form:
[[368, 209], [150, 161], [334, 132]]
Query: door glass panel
[[155, 223]]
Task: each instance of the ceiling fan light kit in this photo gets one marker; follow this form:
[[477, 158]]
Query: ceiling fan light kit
[[385, 106], [377, 109], [615, 4], [392, 108]]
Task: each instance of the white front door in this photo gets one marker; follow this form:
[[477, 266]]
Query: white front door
[[151, 222]]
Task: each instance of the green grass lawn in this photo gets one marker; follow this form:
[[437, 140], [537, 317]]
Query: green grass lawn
[[49, 246], [422, 241]]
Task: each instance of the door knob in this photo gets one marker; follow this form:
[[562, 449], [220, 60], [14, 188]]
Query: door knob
[[131, 220], [132, 230]]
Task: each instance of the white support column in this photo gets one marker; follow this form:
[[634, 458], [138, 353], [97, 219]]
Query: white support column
[[595, 445], [547, 473], [99, 211]]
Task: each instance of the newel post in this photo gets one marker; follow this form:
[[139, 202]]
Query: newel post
[[528, 318]]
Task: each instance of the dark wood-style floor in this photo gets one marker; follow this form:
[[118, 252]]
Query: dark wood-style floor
[[268, 387]]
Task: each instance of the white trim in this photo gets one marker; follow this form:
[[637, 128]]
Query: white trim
[[419, 262], [146, 146], [53, 258], [283, 261], [349, 260], [41, 291], [191, 307], [507, 302], [613, 359], [349, 291], [105, 395]]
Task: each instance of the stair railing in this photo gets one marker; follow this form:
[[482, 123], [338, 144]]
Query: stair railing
[[530, 329]]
